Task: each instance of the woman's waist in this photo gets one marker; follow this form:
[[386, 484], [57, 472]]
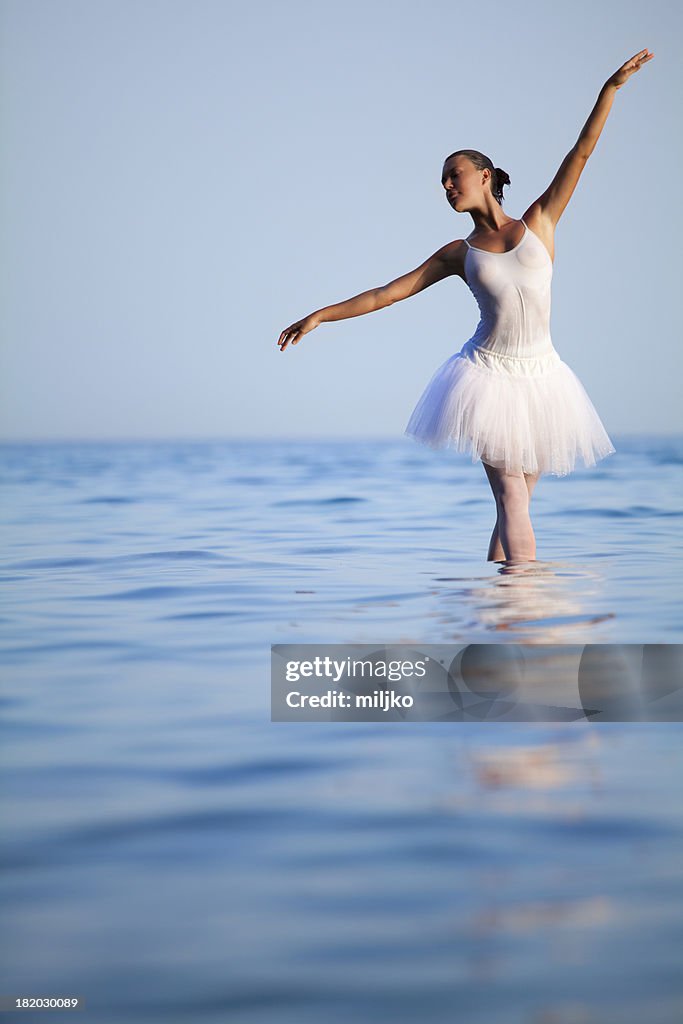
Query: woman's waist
[[538, 357]]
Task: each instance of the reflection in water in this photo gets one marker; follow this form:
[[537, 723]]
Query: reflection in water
[[580, 913], [536, 602], [571, 763], [554, 782]]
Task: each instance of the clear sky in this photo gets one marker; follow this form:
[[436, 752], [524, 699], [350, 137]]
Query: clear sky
[[182, 179]]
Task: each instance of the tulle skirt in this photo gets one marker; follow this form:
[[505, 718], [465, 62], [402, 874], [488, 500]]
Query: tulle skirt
[[517, 414]]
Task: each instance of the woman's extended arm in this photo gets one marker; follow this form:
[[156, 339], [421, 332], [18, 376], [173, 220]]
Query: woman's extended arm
[[435, 268], [555, 198], [590, 133], [366, 302]]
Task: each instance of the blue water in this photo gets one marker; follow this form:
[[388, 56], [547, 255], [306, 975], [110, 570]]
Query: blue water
[[170, 855]]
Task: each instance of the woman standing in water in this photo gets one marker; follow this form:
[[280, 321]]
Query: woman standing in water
[[506, 398]]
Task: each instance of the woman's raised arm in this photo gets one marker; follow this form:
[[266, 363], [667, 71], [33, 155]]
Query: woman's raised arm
[[590, 133], [561, 188]]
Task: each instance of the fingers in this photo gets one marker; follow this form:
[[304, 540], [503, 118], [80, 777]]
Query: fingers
[[295, 332], [290, 334], [636, 62]]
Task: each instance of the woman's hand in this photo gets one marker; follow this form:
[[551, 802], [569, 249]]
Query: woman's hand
[[296, 331], [626, 70]]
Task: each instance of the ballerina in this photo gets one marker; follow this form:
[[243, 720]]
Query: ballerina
[[506, 398]]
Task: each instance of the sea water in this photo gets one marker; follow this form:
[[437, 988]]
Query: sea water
[[169, 854]]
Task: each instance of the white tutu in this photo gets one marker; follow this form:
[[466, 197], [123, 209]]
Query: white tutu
[[507, 397], [529, 416]]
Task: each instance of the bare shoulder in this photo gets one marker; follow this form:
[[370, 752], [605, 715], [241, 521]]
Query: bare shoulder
[[542, 225]]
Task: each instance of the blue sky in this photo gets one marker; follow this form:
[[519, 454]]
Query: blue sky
[[182, 180]]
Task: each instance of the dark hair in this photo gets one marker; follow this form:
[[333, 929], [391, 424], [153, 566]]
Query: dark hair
[[499, 177]]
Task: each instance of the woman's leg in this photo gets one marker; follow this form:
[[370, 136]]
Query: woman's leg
[[495, 552], [513, 535]]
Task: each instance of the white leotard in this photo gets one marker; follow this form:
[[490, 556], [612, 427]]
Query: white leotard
[[507, 397], [512, 290]]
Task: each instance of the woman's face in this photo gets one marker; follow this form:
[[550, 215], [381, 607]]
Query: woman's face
[[462, 182]]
